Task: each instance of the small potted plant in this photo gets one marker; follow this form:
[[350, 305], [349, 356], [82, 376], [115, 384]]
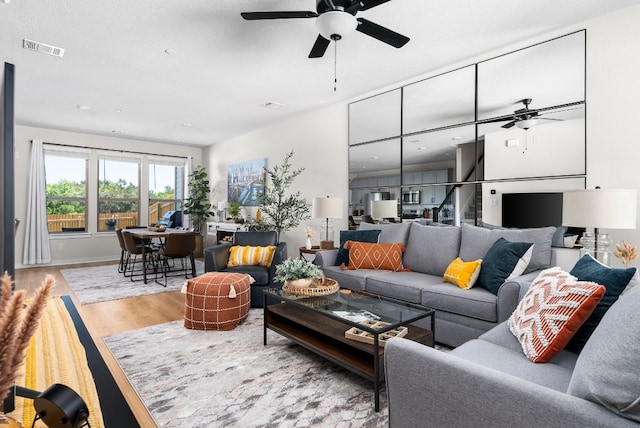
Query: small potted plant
[[111, 223], [297, 272]]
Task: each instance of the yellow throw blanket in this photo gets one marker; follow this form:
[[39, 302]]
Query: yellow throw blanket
[[55, 355]]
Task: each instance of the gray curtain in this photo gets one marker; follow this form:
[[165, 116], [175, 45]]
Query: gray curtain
[[36, 237]]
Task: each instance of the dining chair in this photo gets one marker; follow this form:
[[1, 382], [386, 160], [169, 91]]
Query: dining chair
[[123, 251], [177, 246], [134, 249]]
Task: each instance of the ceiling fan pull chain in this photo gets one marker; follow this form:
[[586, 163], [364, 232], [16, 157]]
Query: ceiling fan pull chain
[[335, 65]]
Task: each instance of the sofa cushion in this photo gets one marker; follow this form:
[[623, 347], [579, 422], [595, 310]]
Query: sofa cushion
[[476, 241], [504, 261], [371, 235], [615, 281], [551, 311], [463, 274], [430, 249], [475, 303], [514, 362], [406, 286], [351, 279], [607, 369], [501, 335], [366, 255], [390, 232], [246, 255]]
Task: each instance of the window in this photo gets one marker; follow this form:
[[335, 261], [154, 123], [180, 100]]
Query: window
[[166, 189], [118, 192], [66, 183]]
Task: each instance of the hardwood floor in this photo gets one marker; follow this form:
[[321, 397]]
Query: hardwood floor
[[116, 316]]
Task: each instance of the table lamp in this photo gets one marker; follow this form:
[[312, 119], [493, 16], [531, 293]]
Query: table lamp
[[384, 209], [326, 208], [599, 208]]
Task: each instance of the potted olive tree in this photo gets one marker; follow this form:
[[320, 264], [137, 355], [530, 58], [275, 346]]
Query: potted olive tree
[[197, 205], [280, 211]]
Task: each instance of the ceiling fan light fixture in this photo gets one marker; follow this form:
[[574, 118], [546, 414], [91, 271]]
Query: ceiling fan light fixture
[[335, 24], [526, 123]]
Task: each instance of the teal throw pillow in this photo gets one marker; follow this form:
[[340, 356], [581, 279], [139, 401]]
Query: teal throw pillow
[[614, 279], [505, 260], [354, 235]]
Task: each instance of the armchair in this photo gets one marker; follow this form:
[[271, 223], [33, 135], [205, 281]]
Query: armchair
[[217, 256]]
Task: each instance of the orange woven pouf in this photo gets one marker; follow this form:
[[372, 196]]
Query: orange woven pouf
[[217, 301]]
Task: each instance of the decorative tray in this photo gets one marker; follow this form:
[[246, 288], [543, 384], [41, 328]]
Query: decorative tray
[[320, 287], [355, 333]]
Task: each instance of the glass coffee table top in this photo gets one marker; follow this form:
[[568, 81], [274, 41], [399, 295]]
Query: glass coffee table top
[[354, 307]]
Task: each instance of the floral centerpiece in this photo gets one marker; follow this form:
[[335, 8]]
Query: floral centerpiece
[[297, 272], [309, 233]]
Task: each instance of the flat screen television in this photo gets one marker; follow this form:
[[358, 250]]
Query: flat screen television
[[531, 209]]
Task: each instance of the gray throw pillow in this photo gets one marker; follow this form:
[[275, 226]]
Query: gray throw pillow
[[430, 249], [391, 232], [476, 241], [606, 371]]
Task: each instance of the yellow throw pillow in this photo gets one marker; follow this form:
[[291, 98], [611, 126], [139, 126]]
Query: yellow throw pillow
[[250, 256], [463, 274]]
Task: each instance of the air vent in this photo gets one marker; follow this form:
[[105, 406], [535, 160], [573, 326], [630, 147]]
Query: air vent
[[42, 48]]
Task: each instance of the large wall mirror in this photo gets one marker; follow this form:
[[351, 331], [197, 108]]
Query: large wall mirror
[[514, 123]]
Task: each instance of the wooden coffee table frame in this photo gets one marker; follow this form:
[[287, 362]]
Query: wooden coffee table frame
[[324, 335]]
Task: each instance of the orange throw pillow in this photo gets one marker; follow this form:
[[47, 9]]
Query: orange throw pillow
[[551, 311], [365, 255]]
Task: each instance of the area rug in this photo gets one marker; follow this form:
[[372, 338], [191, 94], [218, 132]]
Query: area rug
[[229, 379], [103, 283], [55, 355]]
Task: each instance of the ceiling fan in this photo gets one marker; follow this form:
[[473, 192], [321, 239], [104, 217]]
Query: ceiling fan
[[525, 118], [335, 20]]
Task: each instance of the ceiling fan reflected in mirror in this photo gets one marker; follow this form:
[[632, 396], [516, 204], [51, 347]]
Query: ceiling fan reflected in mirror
[[526, 118], [336, 19]]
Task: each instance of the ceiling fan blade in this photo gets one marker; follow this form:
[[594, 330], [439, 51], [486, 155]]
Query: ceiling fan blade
[[509, 125], [381, 33], [319, 47], [253, 16], [358, 5], [368, 4]]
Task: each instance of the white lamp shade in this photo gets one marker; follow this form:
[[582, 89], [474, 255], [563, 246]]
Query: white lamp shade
[[336, 23], [326, 208], [600, 208], [384, 209]]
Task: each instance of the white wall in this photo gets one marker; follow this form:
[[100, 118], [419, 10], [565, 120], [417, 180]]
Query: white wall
[[613, 147], [84, 247], [319, 141]]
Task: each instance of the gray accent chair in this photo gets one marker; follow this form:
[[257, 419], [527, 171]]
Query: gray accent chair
[[489, 383], [217, 256]]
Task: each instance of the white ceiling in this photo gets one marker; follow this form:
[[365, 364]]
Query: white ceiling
[[223, 68]]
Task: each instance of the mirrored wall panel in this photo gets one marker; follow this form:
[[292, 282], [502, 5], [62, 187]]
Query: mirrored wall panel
[[512, 123], [441, 101], [375, 118]]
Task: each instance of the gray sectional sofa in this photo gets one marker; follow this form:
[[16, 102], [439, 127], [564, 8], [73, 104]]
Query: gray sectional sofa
[[461, 314], [489, 383]]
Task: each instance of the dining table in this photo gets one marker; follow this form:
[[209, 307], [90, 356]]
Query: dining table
[[147, 234]]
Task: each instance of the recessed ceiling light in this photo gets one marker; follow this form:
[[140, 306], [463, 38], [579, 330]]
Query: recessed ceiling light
[[456, 138], [414, 141], [169, 51], [187, 124], [118, 110], [83, 107], [116, 131], [375, 157], [273, 106], [422, 148]]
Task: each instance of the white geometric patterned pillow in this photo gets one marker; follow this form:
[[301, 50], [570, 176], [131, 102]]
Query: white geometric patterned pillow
[[551, 312]]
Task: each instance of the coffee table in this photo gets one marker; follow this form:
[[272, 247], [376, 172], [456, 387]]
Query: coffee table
[[319, 324]]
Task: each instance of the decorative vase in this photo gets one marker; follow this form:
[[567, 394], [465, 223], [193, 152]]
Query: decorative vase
[[7, 421], [307, 244], [301, 283]]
